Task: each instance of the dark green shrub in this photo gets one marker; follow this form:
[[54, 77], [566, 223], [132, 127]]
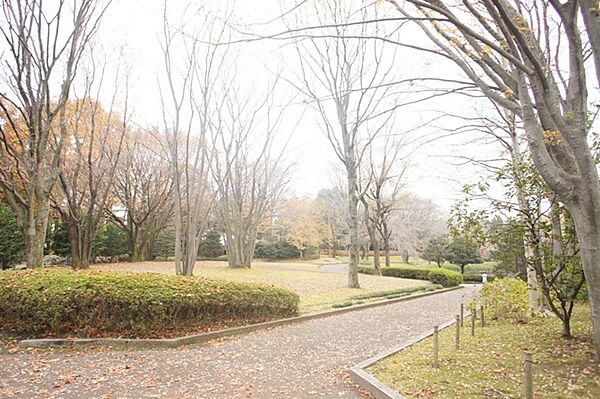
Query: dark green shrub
[[211, 246], [446, 278], [164, 244], [312, 253], [276, 250], [462, 251], [57, 239], [476, 278], [110, 241], [44, 302], [12, 243]]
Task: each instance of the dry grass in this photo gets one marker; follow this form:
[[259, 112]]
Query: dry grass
[[317, 290], [491, 364]]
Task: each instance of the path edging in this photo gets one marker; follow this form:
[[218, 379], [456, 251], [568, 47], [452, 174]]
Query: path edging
[[144, 343], [370, 383]]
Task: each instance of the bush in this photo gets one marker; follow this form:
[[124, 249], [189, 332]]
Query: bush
[[57, 239], [506, 298], [276, 250], [211, 246], [62, 302], [476, 278], [446, 278], [12, 243], [110, 241]]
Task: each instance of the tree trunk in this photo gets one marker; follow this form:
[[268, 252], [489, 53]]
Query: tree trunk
[[588, 231], [35, 228], [386, 245], [405, 257], [373, 239], [34, 245], [462, 269], [353, 220], [591, 18], [74, 239]]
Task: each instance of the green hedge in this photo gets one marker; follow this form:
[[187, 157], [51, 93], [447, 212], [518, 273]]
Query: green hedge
[[446, 278], [94, 303], [476, 278]]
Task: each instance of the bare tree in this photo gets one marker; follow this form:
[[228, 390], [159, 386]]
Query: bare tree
[[42, 47], [91, 154], [348, 81], [509, 50], [414, 221], [143, 187], [333, 217], [385, 170], [192, 60], [249, 175]]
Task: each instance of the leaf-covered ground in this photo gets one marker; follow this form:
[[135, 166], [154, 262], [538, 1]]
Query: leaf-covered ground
[[491, 364], [317, 290], [304, 360]]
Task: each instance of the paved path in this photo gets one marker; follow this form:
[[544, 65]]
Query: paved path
[[305, 360], [334, 268]]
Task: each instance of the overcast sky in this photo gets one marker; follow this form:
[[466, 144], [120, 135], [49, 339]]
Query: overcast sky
[[136, 25]]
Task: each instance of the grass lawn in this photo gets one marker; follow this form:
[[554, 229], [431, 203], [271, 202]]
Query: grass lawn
[[491, 364], [420, 263], [318, 290]]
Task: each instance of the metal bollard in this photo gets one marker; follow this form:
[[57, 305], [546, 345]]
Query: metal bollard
[[436, 362], [473, 317], [527, 365], [457, 339], [462, 312]]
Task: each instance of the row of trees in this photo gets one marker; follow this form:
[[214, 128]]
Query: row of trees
[[64, 152], [66, 156]]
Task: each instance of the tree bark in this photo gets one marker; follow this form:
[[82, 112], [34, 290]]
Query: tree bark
[[352, 218], [587, 225], [35, 235], [386, 245], [405, 257], [591, 18]]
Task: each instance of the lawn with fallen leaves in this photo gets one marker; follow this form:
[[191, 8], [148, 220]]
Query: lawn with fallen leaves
[[490, 365], [318, 290]]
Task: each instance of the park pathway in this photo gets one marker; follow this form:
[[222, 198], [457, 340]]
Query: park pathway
[[305, 360]]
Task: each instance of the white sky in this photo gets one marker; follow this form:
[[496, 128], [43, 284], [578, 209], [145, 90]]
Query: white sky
[[136, 25]]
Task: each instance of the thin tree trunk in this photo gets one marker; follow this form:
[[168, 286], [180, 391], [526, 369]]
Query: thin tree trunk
[[386, 245], [353, 221], [405, 257]]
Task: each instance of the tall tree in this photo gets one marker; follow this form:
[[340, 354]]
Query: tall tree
[[249, 175], [191, 66], [302, 218], [91, 155], [348, 81], [507, 48], [334, 218], [415, 221], [143, 187], [43, 45]]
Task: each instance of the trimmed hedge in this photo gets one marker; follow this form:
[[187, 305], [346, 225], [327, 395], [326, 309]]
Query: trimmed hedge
[[476, 278], [93, 303], [446, 278]]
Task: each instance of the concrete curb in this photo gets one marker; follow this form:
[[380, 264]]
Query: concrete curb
[[201, 338], [378, 389]]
